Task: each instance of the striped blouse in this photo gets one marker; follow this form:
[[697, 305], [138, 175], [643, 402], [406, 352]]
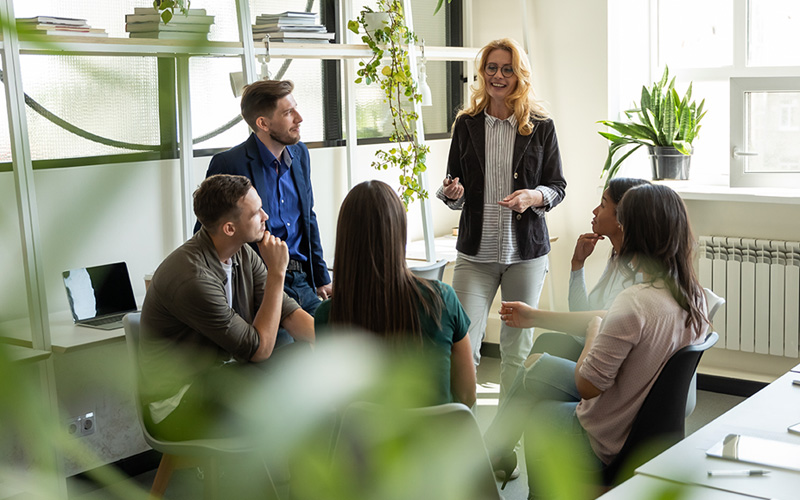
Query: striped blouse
[[499, 240]]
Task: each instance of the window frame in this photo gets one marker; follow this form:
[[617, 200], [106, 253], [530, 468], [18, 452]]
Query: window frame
[[737, 74]]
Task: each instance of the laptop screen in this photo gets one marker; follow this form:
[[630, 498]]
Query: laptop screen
[[98, 291]]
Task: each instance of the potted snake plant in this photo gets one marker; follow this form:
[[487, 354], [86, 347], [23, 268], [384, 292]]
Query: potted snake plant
[[664, 122]]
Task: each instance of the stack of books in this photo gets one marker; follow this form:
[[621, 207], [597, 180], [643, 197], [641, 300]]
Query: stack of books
[[51, 25], [295, 27], [146, 22]]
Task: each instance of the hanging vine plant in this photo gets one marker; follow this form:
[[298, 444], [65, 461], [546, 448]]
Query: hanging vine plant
[[389, 67], [167, 8]]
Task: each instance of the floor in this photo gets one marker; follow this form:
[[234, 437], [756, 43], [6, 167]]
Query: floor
[[186, 485]]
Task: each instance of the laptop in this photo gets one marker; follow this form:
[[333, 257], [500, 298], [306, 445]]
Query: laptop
[[100, 296]]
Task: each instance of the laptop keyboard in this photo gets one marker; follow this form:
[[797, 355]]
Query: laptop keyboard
[[106, 320]]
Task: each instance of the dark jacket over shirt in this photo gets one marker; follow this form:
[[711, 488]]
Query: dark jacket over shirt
[[536, 162]]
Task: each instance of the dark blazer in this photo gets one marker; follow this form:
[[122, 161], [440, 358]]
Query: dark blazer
[[536, 162], [245, 160]]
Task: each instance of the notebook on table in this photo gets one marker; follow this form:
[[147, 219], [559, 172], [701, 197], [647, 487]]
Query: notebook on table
[[99, 296]]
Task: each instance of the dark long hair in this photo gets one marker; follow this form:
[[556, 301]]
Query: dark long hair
[[373, 287], [618, 186], [656, 232]]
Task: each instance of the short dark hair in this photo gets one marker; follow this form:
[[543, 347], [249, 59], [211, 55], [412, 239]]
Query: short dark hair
[[260, 98], [218, 197]]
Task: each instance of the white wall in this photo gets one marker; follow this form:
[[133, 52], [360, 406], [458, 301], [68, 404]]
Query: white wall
[[568, 39]]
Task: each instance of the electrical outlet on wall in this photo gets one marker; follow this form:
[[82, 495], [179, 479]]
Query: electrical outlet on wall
[[82, 425]]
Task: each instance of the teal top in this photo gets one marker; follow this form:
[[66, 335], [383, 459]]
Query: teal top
[[437, 341]]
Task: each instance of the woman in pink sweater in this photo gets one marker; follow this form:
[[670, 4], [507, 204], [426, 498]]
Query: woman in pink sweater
[[594, 401]]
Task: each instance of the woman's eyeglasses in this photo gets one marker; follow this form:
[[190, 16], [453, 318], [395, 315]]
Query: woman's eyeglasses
[[491, 70]]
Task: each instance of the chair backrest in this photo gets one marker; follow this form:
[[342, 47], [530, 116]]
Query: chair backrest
[[433, 271], [714, 302], [661, 421], [131, 324], [436, 452]]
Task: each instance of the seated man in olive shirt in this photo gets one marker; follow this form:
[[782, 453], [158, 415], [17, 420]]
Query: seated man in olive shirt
[[210, 303]]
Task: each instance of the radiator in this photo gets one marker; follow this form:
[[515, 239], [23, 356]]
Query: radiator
[[760, 281]]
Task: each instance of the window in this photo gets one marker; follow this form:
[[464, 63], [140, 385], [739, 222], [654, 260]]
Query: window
[[766, 147], [439, 30], [741, 57], [138, 119]]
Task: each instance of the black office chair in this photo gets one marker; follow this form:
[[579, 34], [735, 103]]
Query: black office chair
[[661, 421]]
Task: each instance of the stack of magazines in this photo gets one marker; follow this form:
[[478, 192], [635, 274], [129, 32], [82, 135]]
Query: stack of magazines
[[51, 25], [146, 22], [295, 27]]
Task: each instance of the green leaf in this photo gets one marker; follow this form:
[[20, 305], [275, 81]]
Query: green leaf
[[166, 16], [353, 26]]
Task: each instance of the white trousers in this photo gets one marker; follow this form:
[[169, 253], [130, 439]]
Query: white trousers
[[476, 286]]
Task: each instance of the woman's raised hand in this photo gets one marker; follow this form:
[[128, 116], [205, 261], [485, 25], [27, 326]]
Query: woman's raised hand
[[584, 248], [517, 314], [452, 188]]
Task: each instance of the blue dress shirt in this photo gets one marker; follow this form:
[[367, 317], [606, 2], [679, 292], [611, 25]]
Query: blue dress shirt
[[284, 203]]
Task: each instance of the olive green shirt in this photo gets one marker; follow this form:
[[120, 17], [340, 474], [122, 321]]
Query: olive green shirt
[[187, 327]]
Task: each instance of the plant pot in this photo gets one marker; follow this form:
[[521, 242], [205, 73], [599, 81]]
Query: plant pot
[[376, 20], [669, 163]]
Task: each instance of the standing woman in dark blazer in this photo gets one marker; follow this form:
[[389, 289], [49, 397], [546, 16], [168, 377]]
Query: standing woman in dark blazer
[[503, 173]]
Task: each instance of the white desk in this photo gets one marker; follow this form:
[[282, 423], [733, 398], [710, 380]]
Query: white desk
[[64, 335], [766, 414], [19, 354], [796, 369], [644, 487]]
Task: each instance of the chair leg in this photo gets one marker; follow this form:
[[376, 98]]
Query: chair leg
[[211, 486], [163, 475]]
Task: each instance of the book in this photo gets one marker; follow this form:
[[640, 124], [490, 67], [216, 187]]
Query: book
[[306, 18], [309, 36], [170, 35], [299, 40], [49, 29], [288, 14], [177, 19], [59, 32], [66, 21], [261, 28], [191, 28], [151, 11]]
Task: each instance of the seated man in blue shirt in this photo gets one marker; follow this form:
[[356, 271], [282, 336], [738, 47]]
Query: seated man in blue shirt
[[278, 165]]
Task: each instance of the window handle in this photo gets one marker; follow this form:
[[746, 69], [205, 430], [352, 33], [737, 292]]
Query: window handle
[[737, 153]]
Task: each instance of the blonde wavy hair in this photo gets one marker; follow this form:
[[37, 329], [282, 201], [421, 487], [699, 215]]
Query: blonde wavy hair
[[522, 100]]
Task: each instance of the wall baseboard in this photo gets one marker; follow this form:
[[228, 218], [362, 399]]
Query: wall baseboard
[[490, 349], [128, 467]]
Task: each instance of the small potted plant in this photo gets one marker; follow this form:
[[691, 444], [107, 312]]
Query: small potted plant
[[665, 123], [167, 8], [388, 38]]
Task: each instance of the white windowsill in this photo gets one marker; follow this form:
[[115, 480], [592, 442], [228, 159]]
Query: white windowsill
[[692, 191]]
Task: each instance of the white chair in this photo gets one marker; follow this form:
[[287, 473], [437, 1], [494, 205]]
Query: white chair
[[714, 302], [204, 453], [433, 271], [435, 452]]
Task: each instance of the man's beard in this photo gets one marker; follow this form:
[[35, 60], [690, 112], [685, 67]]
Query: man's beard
[[285, 139]]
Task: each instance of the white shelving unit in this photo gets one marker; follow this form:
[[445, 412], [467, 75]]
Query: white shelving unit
[[11, 47]]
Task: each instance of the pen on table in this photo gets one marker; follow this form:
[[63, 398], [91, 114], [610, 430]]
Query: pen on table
[[748, 472]]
